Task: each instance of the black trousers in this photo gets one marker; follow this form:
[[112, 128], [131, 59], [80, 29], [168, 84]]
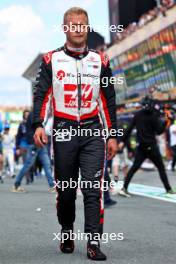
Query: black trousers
[[151, 152], [174, 156], [85, 153]]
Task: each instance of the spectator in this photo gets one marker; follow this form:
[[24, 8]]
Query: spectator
[[1, 159], [32, 154], [172, 131], [21, 143], [8, 144]]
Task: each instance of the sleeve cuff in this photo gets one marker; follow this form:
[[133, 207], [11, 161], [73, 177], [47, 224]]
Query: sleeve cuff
[[37, 125]]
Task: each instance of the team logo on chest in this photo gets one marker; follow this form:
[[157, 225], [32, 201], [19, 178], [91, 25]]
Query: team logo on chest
[[60, 75], [71, 95]]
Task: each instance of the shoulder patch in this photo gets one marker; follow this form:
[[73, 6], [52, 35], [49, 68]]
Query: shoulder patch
[[47, 57], [104, 58]]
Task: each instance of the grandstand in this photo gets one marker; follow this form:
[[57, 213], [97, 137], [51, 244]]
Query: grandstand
[[147, 59]]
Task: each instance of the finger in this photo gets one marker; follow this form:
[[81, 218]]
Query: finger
[[38, 141], [110, 154], [44, 138], [113, 153]]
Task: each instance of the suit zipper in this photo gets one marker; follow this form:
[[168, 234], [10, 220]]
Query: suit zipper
[[79, 91]]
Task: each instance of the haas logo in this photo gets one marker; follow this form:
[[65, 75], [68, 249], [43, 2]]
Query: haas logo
[[71, 95], [60, 75]]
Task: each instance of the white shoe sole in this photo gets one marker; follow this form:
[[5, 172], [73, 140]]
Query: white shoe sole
[[124, 194]]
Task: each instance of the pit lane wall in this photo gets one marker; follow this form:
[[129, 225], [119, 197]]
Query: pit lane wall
[[146, 59]]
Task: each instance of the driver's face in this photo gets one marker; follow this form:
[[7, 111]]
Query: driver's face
[[77, 34]]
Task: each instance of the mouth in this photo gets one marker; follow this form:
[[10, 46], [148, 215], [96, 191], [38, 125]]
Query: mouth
[[79, 36]]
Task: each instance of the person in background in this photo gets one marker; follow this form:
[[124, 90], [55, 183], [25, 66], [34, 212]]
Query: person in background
[[32, 154], [120, 161], [1, 153], [148, 125], [1, 159], [108, 201], [21, 137], [21, 143], [8, 145], [172, 131]]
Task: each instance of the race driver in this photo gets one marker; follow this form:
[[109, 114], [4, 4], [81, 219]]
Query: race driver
[[66, 84]]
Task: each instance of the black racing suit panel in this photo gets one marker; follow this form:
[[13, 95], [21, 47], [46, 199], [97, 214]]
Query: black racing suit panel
[[42, 86], [107, 93]]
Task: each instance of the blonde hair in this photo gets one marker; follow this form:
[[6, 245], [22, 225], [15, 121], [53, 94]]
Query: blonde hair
[[75, 11]]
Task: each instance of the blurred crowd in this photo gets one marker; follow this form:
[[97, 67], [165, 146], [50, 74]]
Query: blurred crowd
[[146, 18]]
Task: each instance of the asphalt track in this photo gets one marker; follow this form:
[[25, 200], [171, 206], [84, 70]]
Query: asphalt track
[[28, 221]]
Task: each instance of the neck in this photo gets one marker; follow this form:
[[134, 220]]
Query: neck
[[74, 48]]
